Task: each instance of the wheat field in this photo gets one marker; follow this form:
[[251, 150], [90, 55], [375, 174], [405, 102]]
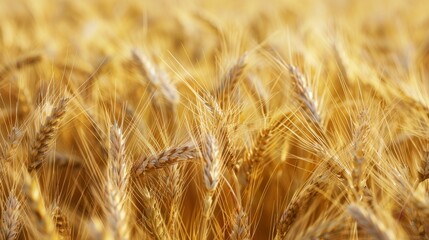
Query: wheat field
[[214, 119]]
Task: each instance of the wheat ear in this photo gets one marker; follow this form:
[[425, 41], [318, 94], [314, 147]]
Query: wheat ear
[[117, 183], [97, 230], [163, 159], [325, 229], [257, 153], [424, 172], [46, 134], [211, 174], [61, 223], [367, 220], [158, 79], [36, 204], [20, 63], [305, 95], [11, 218], [240, 230], [231, 80], [14, 139], [297, 202], [174, 186], [358, 150], [259, 94], [153, 217]]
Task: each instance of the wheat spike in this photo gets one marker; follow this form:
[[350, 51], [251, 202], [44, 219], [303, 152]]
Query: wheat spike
[[153, 217], [211, 174], [240, 230], [358, 149], [370, 222], [231, 80], [11, 218], [257, 153], [61, 223], [157, 78], [46, 134], [305, 95], [14, 138], [44, 224], [290, 214], [165, 158], [424, 172], [117, 183], [20, 63]]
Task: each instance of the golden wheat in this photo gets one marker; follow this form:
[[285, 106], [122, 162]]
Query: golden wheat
[[214, 119]]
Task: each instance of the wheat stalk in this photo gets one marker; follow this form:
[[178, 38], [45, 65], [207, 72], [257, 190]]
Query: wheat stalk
[[46, 134]]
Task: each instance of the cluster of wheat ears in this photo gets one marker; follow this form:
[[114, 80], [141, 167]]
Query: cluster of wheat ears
[[214, 119]]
